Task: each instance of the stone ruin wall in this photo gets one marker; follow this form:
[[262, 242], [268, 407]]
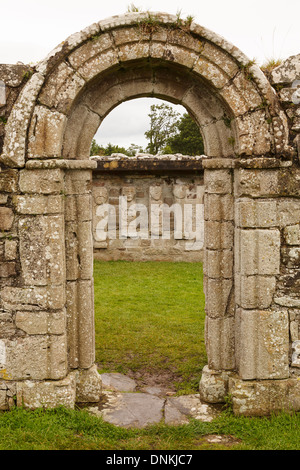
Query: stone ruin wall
[[251, 251], [150, 187]]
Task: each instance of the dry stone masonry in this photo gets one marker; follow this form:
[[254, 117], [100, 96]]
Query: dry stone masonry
[[248, 181]]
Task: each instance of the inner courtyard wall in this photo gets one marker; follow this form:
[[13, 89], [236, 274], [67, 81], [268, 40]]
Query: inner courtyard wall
[[143, 190]]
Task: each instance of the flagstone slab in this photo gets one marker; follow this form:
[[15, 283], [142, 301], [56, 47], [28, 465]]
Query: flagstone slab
[[118, 382], [132, 409], [179, 410]]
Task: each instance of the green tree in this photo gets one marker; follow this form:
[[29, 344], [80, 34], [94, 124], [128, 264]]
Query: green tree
[[96, 149], [188, 140], [163, 126], [109, 149], [134, 149]]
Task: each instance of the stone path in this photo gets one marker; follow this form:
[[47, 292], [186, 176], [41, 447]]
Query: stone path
[[123, 406]]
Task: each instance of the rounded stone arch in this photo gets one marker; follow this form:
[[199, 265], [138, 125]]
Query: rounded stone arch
[[145, 54]]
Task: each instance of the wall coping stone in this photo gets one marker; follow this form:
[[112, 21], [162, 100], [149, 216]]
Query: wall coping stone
[[61, 164], [254, 163]]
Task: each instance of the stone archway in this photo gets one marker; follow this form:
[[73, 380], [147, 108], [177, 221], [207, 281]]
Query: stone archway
[[47, 141]]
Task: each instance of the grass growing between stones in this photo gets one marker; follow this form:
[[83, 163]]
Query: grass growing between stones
[[149, 321], [62, 429]]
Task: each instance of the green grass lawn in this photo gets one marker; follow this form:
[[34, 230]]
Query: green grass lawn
[[62, 429], [150, 321]]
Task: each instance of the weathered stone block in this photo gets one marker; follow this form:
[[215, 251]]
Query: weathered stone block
[[294, 331], [78, 208], [8, 392], [88, 386], [79, 251], [7, 269], [173, 53], [86, 320], [78, 182], [10, 250], [97, 63], [257, 252], [213, 386], [80, 324], [7, 325], [220, 343], [218, 207], [286, 301], [35, 357], [38, 205], [256, 183], [93, 48], [211, 72], [41, 181], [47, 394], [8, 181], [6, 218], [51, 125], [255, 291], [25, 358], [42, 249], [296, 354], [37, 298], [218, 264], [218, 295], [262, 398], [292, 235], [14, 147], [41, 323], [3, 400], [241, 95], [287, 72], [134, 50], [33, 323], [82, 126], [58, 358], [262, 344], [250, 213], [220, 58], [218, 181], [61, 88], [255, 135], [218, 235], [288, 211]]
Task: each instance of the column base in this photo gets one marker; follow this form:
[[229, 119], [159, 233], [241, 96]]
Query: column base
[[264, 397], [250, 397], [79, 386], [213, 385]]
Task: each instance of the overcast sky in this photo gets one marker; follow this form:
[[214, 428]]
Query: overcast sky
[[262, 29]]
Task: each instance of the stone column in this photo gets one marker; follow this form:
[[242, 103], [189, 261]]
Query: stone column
[[37, 351], [218, 278], [79, 279], [262, 327]]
